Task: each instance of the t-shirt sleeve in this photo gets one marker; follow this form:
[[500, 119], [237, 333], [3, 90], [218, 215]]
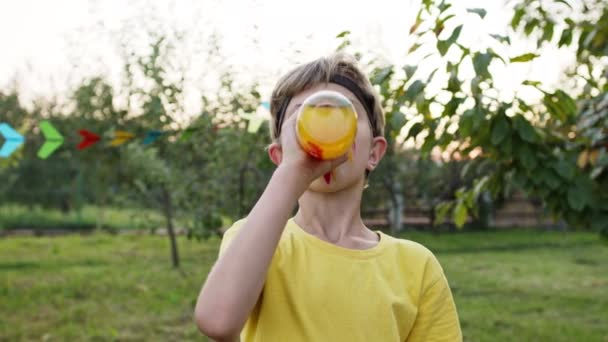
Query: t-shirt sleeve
[[437, 318], [229, 234]]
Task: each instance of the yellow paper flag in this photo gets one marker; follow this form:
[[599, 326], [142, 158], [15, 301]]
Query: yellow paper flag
[[121, 137]]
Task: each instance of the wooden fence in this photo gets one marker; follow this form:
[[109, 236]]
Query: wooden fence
[[516, 212]]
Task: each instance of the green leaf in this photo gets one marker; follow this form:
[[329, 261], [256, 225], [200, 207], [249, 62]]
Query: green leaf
[[525, 130], [460, 214], [414, 47], [567, 104], [550, 178], [465, 124], [443, 6], [382, 74], [526, 156], [564, 169], [417, 22], [444, 45], [455, 34], [530, 26], [502, 39], [570, 22], [451, 107], [343, 34], [480, 11], [414, 89], [564, 2], [500, 130], [566, 38], [519, 178], [187, 134], [410, 70], [481, 61], [453, 83], [478, 117], [427, 146], [531, 83], [516, 20], [441, 211], [523, 58], [560, 105], [415, 130], [480, 185], [397, 120], [507, 147], [577, 199], [548, 32]]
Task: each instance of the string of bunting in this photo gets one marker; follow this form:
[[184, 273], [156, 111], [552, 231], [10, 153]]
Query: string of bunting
[[53, 139]]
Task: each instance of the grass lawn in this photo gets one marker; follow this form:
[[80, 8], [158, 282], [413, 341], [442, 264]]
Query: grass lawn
[[509, 286], [13, 216]]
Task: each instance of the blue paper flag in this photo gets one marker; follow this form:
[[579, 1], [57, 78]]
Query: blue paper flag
[[13, 140], [151, 137]]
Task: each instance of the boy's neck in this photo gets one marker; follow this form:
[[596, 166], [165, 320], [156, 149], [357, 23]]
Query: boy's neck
[[334, 216]]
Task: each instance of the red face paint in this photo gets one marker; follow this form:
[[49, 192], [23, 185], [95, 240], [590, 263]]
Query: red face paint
[[327, 177]]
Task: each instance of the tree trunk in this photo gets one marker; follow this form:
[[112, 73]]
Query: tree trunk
[[396, 210], [168, 209]]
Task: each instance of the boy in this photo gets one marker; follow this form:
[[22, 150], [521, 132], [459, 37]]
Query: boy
[[323, 275]]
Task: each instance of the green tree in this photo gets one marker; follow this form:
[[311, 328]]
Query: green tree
[[535, 146]]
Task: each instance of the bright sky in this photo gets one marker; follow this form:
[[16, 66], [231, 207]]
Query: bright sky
[[41, 40]]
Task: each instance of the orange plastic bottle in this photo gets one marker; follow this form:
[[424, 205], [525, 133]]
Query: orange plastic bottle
[[326, 125]]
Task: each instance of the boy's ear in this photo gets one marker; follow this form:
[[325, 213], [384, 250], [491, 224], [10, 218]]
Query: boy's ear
[[378, 150], [275, 152]]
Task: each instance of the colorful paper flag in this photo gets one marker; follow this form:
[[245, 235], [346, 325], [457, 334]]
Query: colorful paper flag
[[121, 137], [256, 119], [151, 137], [187, 133], [89, 139], [14, 140], [53, 139]]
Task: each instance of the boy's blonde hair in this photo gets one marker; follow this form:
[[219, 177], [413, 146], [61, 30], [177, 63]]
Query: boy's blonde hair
[[338, 66]]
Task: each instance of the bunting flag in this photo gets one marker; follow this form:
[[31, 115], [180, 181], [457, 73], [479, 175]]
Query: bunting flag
[[187, 133], [257, 119], [121, 137], [151, 137], [53, 139], [13, 140], [89, 139]]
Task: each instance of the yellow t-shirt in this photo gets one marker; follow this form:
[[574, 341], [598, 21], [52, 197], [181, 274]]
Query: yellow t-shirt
[[317, 291]]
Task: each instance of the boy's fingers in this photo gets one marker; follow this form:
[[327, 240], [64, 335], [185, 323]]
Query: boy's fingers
[[340, 160]]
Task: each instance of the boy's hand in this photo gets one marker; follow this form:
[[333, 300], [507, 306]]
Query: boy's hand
[[297, 160]]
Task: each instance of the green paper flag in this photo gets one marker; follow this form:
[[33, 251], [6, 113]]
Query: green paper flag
[[53, 140], [187, 134]]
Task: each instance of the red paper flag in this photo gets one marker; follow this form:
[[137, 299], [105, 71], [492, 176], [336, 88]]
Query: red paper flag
[[88, 139]]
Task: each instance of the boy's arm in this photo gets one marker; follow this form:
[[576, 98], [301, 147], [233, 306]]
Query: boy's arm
[[236, 280]]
